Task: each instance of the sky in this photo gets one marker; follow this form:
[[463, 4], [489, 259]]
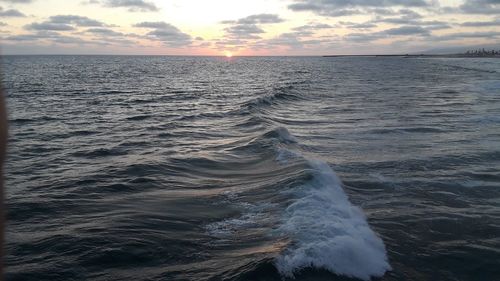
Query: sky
[[246, 27]]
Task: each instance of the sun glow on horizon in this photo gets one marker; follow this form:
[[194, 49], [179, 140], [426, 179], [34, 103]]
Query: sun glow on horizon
[[228, 54]]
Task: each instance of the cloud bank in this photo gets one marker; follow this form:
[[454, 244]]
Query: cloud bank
[[297, 27]]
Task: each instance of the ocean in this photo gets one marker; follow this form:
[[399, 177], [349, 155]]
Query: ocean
[[252, 168]]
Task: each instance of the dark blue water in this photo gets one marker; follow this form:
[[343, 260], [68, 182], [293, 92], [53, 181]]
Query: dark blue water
[[189, 168]]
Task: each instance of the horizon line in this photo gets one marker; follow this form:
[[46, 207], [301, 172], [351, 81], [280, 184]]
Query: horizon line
[[234, 56]]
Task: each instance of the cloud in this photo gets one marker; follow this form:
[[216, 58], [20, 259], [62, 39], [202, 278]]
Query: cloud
[[103, 38], [52, 36], [25, 37], [409, 17], [481, 7], [170, 37], [159, 24], [338, 8], [11, 13], [293, 40], [63, 39], [49, 26], [64, 23], [104, 32], [382, 24], [248, 28], [132, 5], [299, 38], [76, 20], [244, 31], [495, 22], [363, 37], [166, 33], [108, 36], [257, 19], [312, 27], [353, 25], [407, 30]]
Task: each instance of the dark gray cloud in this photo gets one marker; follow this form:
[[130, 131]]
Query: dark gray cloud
[[51, 36], [63, 39], [49, 26], [404, 21], [324, 11], [297, 40], [235, 43], [103, 38], [358, 37], [64, 23], [301, 37], [248, 27], [312, 27], [171, 38], [337, 8], [481, 7], [104, 32], [166, 33], [409, 17], [408, 30], [244, 31], [157, 24], [354, 25], [495, 22], [399, 17], [256, 19], [108, 36], [76, 20], [29, 37], [292, 40], [11, 13], [131, 5]]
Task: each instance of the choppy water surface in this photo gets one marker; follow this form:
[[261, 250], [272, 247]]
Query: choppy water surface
[[186, 168]]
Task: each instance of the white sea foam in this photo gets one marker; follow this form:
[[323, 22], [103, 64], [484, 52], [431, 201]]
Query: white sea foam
[[328, 232]]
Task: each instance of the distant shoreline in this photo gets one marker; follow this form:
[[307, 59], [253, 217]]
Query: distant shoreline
[[417, 56]]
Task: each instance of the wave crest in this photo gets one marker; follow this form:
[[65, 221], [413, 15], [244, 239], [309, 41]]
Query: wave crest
[[328, 231]]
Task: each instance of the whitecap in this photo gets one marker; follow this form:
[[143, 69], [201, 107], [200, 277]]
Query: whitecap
[[328, 232]]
